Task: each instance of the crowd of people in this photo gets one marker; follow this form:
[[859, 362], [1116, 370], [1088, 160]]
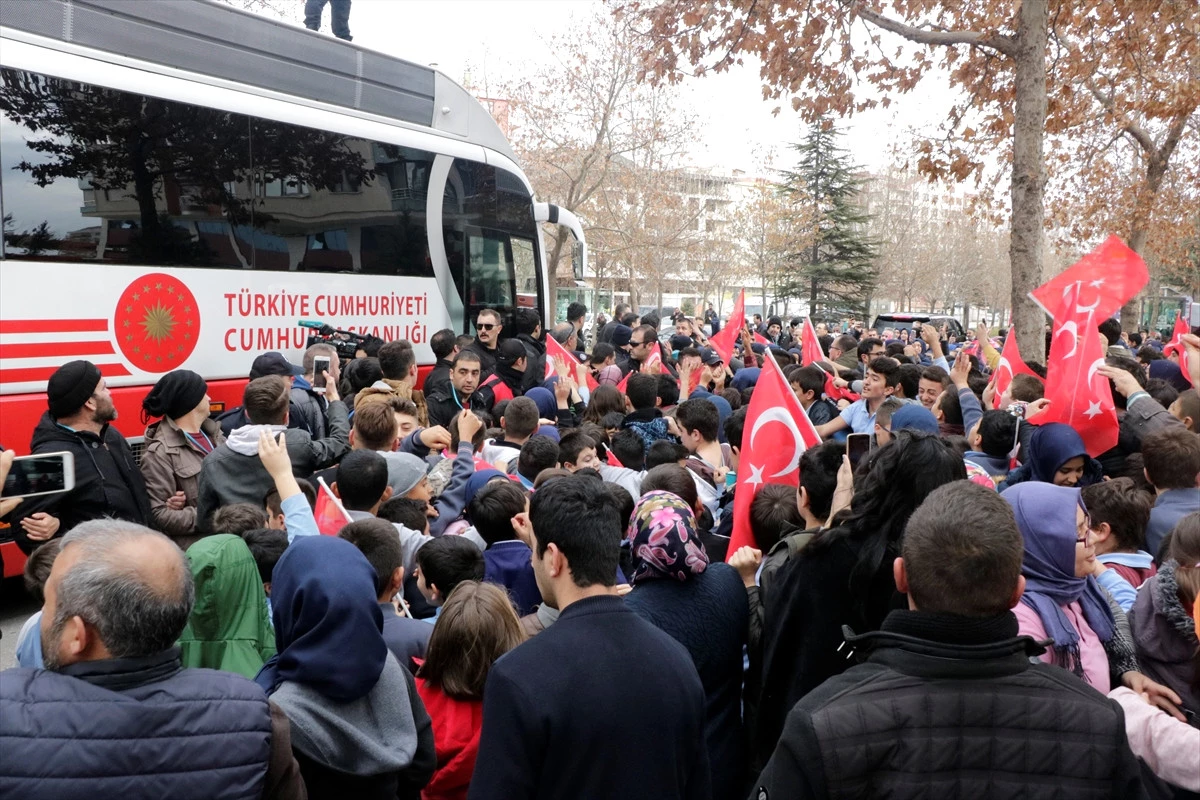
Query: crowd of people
[[518, 578]]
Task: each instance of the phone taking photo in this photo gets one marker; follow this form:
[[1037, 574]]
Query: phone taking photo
[[320, 367], [44, 473], [857, 446]]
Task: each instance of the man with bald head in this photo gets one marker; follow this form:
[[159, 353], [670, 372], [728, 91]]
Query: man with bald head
[[114, 712]]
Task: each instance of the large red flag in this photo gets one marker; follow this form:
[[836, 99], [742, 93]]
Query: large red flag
[[329, 512], [810, 345], [774, 459], [1105, 279], [723, 341], [556, 350], [655, 357], [760, 339], [1078, 396], [1010, 364], [1176, 345]]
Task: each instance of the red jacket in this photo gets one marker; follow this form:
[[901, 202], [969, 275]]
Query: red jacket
[[456, 726]]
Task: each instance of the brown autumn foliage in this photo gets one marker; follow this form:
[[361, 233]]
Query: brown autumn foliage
[[1135, 59]]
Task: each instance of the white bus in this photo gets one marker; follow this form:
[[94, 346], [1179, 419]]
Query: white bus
[[181, 182]]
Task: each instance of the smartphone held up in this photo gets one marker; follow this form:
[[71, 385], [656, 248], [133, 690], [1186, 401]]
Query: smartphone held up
[[44, 473]]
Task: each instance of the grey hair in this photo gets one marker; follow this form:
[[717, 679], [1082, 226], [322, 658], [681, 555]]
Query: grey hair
[[133, 617], [319, 349]]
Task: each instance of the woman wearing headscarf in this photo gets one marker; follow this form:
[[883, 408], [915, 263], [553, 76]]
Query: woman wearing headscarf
[[359, 728], [229, 627], [175, 449], [702, 606], [1088, 632], [1056, 454]]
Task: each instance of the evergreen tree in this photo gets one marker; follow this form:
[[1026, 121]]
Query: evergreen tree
[[837, 270]]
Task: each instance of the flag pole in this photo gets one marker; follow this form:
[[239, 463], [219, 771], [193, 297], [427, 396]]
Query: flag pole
[[337, 501]]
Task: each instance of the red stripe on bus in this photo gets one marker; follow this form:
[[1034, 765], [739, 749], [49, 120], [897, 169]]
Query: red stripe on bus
[[35, 374], [42, 349], [52, 325]]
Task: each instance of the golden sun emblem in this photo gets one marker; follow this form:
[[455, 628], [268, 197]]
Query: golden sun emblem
[[158, 322]]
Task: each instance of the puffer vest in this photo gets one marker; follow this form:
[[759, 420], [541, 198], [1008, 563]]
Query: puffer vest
[[133, 728]]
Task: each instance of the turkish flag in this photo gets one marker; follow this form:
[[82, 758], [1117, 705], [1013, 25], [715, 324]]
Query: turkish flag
[[810, 345], [1105, 279], [1176, 344], [556, 350], [329, 513], [1010, 364], [655, 358], [724, 341], [1078, 396], [834, 393], [760, 339], [776, 457], [621, 384]]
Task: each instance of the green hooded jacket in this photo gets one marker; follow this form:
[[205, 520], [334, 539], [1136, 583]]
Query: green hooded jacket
[[229, 628]]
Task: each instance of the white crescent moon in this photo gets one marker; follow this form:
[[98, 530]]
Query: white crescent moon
[[1003, 365], [1097, 364], [1074, 336], [781, 415]]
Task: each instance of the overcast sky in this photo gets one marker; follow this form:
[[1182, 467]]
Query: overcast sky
[[497, 40]]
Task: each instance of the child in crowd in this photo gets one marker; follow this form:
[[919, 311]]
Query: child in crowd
[[1119, 512], [376, 538], [809, 385], [500, 514], [266, 546], [477, 626], [444, 563], [37, 572]]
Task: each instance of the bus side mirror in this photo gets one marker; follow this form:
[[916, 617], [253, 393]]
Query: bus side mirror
[[577, 259]]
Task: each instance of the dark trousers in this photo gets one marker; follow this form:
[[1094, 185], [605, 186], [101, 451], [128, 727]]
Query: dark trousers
[[339, 16]]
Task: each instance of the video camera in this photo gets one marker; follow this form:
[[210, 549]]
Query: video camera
[[346, 343]]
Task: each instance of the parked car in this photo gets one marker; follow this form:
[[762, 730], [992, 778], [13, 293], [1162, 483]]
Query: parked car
[[897, 321]]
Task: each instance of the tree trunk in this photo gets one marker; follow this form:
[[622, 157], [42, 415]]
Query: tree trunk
[[1029, 176]]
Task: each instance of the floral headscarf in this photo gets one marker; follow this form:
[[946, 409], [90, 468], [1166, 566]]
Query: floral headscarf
[[665, 544]]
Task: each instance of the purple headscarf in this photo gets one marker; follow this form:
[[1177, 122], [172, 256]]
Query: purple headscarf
[[664, 540], [609, 376], [1046, 518]]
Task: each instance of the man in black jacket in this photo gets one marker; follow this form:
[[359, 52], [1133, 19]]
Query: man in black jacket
[[556, 719], [444, 404], [445, 348], [949, 703], [108, 482]]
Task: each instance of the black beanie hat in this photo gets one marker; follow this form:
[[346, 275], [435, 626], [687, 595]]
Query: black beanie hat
[[175, 394], [70, 387]]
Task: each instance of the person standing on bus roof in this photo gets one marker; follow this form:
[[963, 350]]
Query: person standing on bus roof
[[339, 17], [175, 449], [107, 480], [487, 336]]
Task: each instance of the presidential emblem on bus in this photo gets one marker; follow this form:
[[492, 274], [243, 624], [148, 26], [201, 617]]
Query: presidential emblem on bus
[[157, 322]]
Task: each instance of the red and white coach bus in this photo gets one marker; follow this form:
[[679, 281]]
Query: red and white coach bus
[[181, 182]]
